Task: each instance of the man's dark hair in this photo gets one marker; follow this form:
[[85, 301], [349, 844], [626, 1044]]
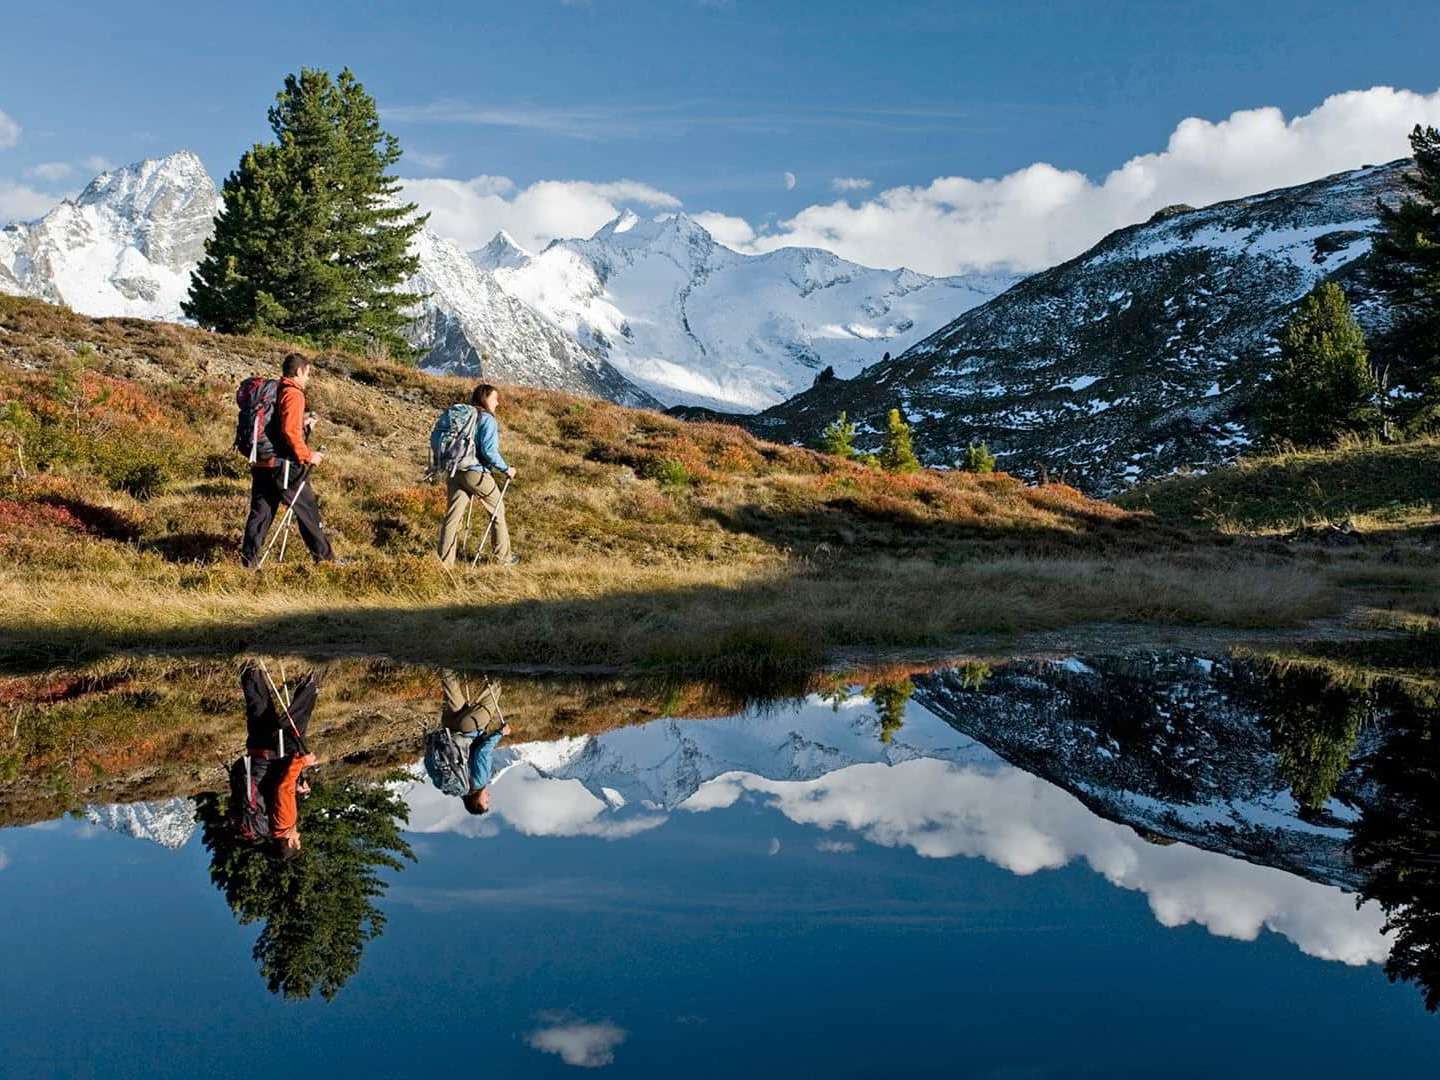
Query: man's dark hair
[[294, 364], [471, 799], [481, 392]]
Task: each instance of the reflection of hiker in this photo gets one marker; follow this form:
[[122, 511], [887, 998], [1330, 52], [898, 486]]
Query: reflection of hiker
[[458, 756], [465, 447], [272, 433], [267, 782]]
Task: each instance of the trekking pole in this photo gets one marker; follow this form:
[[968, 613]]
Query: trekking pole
[[285, 707], [285, 519], [499, 505]]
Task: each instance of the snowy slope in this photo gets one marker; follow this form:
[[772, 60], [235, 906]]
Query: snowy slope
[[125, 246], [167, 822], [470, 326], [696, 323], [129, 243], [1137, 358]]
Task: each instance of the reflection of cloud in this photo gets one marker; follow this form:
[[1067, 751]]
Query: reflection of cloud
[[1023, 824], [587, 1044], [836, 847], [4, 859], [527, 802]]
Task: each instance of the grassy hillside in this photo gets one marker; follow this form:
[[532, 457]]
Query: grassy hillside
[[1364, 486], [645, 539]]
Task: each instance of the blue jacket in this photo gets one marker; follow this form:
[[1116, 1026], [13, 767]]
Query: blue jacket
[[487, 445], [480, 750]]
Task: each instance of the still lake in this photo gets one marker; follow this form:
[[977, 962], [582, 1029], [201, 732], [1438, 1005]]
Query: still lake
[[1094, 867]]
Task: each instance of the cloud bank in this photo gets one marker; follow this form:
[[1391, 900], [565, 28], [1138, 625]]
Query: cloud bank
[[9, 131], [1041, 215]]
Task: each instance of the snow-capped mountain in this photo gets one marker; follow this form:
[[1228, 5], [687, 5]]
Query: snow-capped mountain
[[129, 242], [167, 822], [1139, 357], [696, 323], [470, 326], [126, 245]]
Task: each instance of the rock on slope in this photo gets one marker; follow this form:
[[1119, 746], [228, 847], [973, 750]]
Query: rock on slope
[[696, 323], [129, 243], [1133, 360]]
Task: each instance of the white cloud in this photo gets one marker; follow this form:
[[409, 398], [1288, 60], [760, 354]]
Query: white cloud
[[836, 847], [9, 131], [19, 202], [50, 170], [789, 181], [97, 164], [586, 1044], [1041, 215], [470, 212], [851, 183], [731, 231]]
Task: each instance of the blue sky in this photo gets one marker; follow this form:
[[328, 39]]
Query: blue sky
[[711, 102]]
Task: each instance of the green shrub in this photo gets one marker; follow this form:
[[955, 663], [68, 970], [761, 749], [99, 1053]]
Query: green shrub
[[668, 473], [978, 459]]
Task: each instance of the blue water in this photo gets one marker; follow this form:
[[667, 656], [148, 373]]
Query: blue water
[[739, 940]]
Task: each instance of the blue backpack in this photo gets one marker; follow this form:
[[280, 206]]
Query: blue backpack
[[452, 439], [445, 763]]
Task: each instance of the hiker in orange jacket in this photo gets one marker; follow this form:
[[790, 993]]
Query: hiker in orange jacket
[[285, 477], [284, 803]]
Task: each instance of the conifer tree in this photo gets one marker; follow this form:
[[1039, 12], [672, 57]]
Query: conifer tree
[[839, 437], [1323, 387], [979, 459], [318, 908], [1407, 268], [899, 454], [312, 239]]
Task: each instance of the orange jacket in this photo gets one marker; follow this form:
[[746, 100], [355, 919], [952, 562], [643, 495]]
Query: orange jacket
[[290, 413], [284, 812]]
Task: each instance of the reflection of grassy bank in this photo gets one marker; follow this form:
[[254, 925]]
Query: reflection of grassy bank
[[647, 540], [136, 729]]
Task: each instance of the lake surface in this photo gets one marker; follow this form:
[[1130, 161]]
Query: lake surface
[[1086, 868]]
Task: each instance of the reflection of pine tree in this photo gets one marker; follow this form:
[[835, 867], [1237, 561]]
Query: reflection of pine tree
[[317, 908], [1314, 719], [1395, 843], [889, 698]]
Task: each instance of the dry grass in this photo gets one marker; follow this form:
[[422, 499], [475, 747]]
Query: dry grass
[[646, 540]]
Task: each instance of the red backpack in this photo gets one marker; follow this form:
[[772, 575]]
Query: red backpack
[[256, 397]]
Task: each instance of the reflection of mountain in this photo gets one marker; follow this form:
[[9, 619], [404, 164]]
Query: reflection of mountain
[[929, 789], [168, 822], [1174, 746]]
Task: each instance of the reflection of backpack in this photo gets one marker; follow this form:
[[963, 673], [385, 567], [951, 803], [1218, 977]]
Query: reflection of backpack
[[445, 763], [248, 812], [452, 439], [256, 397]]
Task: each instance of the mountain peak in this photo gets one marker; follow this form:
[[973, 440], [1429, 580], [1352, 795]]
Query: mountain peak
[[133, 188], [622, 222], [501, 252]]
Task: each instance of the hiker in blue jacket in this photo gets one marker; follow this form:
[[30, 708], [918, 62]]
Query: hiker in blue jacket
[[473, 473], [476, 725]]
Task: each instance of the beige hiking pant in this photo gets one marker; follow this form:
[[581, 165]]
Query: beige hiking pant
[[465, 716], [462, 487]]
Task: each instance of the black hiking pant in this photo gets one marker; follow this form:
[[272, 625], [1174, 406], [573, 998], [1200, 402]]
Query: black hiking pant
[[264, 719], [266, 499]]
